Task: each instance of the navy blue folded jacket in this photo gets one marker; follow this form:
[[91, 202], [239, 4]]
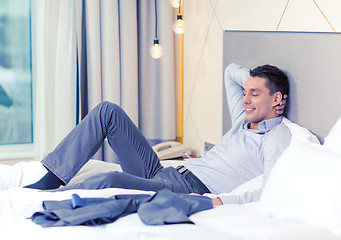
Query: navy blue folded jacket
[[164, 207]]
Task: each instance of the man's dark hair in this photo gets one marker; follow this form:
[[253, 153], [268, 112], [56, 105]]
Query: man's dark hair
[[277, 80]]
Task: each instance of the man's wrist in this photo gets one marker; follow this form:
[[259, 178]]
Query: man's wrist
[[216, 202]]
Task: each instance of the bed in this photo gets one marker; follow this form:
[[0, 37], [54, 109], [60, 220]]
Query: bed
[[224, 222], [301, 199]]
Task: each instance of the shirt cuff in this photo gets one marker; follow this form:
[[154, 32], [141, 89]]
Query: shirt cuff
[[226, 198]]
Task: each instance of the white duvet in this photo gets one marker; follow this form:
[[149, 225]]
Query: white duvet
[[223, 222]]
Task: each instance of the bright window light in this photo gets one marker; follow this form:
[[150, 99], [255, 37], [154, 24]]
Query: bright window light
[[16, 126]]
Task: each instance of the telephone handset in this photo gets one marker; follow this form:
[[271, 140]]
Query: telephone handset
[[169, 150]]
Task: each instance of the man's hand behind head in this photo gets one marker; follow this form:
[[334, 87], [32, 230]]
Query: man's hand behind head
[[281, 106]]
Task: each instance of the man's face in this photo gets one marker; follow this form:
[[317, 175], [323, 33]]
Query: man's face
[[259, 105]]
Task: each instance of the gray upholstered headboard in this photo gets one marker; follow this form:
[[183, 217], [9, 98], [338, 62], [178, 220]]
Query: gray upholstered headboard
[[312, 62]]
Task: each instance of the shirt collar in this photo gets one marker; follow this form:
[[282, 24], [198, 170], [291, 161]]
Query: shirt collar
[[263, 126]]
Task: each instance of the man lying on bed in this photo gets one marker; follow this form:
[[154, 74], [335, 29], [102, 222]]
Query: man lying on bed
[[257, 138]]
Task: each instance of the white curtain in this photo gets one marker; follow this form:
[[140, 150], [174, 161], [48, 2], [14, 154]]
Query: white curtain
[[54, 71], [89, 51]]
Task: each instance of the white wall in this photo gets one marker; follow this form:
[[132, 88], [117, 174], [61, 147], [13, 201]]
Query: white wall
[[203, 47]]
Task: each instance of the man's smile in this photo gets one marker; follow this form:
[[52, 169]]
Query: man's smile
[[249, 109]]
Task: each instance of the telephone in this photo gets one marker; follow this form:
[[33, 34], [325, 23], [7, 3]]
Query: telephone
[[169, 150]]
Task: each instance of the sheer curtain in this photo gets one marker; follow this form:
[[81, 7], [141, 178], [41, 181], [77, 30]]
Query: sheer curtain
[[54, 69], [92, 51]]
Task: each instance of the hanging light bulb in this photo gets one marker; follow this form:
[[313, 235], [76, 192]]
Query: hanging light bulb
[[156, 50], [175, 3], [179, 25]]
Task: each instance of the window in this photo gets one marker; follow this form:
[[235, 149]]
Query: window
[[16, 124]]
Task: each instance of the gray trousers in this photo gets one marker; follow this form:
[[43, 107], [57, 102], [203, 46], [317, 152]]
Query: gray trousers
[[141, 167]]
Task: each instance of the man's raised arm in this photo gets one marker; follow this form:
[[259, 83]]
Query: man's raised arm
[[235, 78]]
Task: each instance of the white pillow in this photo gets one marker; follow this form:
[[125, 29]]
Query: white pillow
[[305, 185], [332, 141], [93, 167], [299, 133], [20, 174]]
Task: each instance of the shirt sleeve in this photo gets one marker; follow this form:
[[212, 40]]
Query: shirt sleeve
[[246, 197], [235, 78]]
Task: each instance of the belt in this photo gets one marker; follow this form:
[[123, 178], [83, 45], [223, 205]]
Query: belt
[[192, 179]]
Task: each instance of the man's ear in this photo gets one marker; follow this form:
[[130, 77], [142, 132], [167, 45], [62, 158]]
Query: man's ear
[[277, 98]]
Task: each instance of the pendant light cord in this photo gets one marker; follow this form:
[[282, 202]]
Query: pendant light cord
[[155, 20], [179, 6]]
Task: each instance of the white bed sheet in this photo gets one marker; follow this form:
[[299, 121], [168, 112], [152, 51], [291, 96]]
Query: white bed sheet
[[224, 222]]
